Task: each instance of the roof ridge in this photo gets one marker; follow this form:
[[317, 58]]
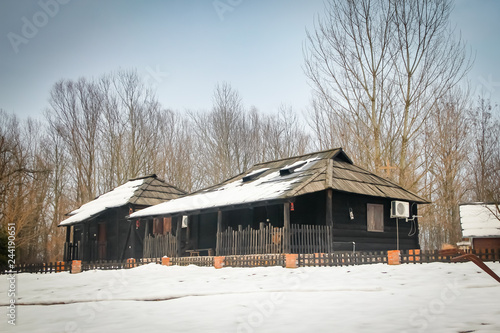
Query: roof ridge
[[151, 175], [298, 156]]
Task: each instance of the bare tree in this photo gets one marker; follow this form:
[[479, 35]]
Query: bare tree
[[283, 135], [75, 114], [447, 164], [349, 61], [218, 133], [141, 110], [429, 62], [58, 203], [24, 185], [175, 154], [484, 159], [380, 67]]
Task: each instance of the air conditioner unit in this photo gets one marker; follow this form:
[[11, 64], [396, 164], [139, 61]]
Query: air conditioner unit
[[400, 209]]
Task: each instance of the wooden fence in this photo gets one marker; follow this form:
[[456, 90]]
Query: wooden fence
[[52, 267], [62, 266], [346, 258], [272, 240], [198, 261], [375, 257], [310, 239], [267, 239], [341, 258], [160, 245], [255, 260]]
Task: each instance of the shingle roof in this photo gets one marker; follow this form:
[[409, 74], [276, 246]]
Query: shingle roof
[[142, 191], [154, 191], [264, 182]]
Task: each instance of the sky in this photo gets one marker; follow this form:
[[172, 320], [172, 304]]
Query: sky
[[184, 48]]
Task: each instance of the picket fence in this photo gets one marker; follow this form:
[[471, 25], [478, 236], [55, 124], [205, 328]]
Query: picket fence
[[254, 260]]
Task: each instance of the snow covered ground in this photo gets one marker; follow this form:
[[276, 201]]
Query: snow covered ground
[[433, 297]]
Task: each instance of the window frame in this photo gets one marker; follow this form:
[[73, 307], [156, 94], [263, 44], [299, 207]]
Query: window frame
[[374, 224]]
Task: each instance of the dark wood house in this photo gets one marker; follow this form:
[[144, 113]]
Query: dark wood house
[[99, 230], [318, 202]]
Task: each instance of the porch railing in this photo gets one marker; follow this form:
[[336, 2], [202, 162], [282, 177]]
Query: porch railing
[[269, 240], [160, 245]]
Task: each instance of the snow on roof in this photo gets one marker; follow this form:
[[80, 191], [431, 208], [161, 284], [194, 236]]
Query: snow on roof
[[478, 220], [268, 187], [115, 198], [254, 174]]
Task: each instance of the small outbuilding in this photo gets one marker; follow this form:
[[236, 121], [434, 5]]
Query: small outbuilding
[[99, 230], [318, 202], [480, 226]]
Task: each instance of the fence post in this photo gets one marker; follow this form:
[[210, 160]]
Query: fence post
[[59, 266], [131, 263], [76, 266], [394, 257], [291, 260], [165, 261], [219, 262]]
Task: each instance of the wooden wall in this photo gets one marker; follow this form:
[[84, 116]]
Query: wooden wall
[[123, 239], [486, 243], [347, 230], [310, 209]]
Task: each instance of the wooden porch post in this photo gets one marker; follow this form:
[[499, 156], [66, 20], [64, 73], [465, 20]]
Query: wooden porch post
[[178, 237], [188, 232], [85, 242], [132, 240], [219, 230], [146, 228], [329, 208], [67, 247], [68, 234], [329, 218], [286, 227]]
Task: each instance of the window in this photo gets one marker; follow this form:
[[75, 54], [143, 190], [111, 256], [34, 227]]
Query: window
[[375, 217], [167, 225], [162, 226]]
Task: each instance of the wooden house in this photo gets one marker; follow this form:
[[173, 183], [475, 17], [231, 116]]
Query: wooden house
[[480, 226], [318, 202], [98, 230]]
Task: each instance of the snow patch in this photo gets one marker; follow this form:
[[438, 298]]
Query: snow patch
[[435, 297]]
